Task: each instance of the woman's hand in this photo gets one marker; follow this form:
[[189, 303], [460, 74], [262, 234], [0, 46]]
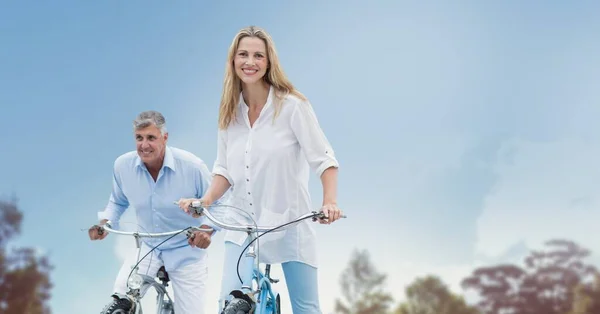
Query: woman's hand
[[185, 204], [332, 212]]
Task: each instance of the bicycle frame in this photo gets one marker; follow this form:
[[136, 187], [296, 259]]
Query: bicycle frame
[[266, 293], [262, 281], [138, 284]]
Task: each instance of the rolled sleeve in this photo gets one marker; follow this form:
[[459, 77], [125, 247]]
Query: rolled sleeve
[[312, 139], [117, 203], [220, 165]]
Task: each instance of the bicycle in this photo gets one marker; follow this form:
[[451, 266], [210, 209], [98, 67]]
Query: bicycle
[[260, 297], [138, 284]]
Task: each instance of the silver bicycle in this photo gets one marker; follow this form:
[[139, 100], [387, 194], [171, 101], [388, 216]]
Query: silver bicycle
[[139, 283], [257, 297]]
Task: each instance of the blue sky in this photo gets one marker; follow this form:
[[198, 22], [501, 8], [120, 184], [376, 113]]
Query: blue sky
[[452, 123]]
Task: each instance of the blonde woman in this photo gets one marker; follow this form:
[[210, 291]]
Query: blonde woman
[[268, 141]]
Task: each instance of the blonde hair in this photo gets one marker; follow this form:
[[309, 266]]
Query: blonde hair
[[274, 76]]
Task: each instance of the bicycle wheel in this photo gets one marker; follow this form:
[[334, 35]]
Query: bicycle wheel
[[167, 309], [277, 305], [118, 306], [237, 306]]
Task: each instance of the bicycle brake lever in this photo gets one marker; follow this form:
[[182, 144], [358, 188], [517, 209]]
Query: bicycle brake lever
[[319, 215], [197, 210], [196, 207], [322, 216], [190, 234]]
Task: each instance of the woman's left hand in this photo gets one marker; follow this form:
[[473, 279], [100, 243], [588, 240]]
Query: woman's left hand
[[332, 212]]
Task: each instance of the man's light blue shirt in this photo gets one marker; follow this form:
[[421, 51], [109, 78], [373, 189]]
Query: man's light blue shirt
[[183, 175]]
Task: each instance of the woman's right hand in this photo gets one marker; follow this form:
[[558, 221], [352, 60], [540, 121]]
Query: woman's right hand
[[185, 204]]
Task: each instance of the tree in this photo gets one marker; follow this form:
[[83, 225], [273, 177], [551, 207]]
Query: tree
[[24, 277], [586, 298], [363, 288], [545, 285], [429, 295]]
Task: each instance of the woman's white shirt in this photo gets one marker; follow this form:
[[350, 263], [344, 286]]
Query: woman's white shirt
[[268, 166]]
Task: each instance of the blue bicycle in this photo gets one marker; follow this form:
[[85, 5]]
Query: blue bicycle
[[259, 298]]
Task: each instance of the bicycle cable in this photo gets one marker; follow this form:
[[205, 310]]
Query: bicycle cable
[[165, 240], [241, 254], [145, 230]]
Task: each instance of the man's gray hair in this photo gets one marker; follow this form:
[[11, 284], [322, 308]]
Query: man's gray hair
[[148, 118]]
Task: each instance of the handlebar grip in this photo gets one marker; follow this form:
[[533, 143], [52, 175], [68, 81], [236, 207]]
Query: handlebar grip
[[196, 206], [321, 215], [194, 203]]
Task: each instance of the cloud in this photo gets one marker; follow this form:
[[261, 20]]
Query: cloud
[[544, 190], [541, 191]]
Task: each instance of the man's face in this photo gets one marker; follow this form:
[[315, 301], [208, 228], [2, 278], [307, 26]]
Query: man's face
[[151, 144]]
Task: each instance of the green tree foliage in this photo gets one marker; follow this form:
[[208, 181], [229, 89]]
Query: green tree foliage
[[363, 288], [430, 295], [546, 284], [24, 277]]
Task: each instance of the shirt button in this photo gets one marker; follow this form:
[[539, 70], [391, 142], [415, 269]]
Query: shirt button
[[247, 166], [250, 204], [247, 180], [248, 193]]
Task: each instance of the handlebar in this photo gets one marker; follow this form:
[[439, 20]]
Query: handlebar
[[199, 209], [107, 226]]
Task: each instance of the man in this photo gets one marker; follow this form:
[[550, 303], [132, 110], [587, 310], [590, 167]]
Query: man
[[150, 180]]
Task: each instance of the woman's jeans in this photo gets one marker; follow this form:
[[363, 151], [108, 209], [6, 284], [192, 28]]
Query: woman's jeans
[[301, 280]]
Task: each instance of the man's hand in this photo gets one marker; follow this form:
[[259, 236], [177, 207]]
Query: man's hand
[[332, 212], [185, 203], [200, 239], [96, 232]]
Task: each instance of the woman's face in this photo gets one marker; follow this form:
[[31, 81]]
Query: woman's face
[[251, 60]]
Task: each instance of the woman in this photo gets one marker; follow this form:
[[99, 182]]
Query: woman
[[268, 141]]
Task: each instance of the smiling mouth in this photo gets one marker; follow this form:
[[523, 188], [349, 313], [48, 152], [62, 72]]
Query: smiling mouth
[[146, 153], [249, 71]]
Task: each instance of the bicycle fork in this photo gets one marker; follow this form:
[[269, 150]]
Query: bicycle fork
[[136, 295]]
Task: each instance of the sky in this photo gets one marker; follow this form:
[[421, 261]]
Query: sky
[[467, 133]]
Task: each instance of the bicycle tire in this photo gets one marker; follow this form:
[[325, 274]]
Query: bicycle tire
[[277, 305], [118, 306], [237, 306]]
